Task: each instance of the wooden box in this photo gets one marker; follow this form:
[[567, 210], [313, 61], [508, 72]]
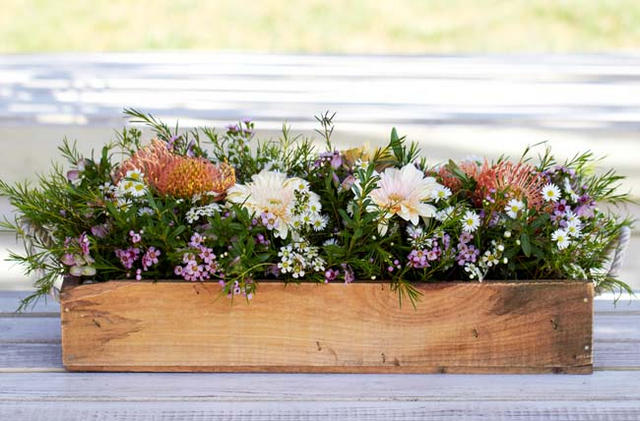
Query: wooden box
[[470, 327]]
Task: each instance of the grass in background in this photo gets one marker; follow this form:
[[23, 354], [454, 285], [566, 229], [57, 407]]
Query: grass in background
[[366, 26]]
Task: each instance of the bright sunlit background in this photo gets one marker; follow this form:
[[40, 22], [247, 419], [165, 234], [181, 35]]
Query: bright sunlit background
[[462, 77]]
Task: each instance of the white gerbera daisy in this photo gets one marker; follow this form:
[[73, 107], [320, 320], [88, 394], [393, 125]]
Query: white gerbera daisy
[[470, 221], [551, 192], [561, 237], [403, 192], [513, 207], [270, 192]]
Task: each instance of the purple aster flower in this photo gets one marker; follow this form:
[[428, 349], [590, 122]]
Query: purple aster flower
[[171, 142]]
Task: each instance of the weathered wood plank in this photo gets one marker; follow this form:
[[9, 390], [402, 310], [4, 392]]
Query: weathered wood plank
[[320, 410], [27, 343], [29, 329], [606, 355], [613, 355], [493, 327], [607, 327], [10, 300], [30, 355], [616, 327], [610, 303], [220, 387]]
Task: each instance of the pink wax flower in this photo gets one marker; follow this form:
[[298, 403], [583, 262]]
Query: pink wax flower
[[150, 258], [196, 240], [135, 237], [330, 275], [100, 231], [68, 259], [84, 243]]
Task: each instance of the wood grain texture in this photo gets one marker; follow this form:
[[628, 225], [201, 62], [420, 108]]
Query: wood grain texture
[[525, 327], [618, 348]]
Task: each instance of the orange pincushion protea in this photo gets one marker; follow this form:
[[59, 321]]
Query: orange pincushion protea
[[176, 175], [186, 177]]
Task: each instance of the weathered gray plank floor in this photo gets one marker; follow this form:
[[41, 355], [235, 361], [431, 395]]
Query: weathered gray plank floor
[[34, 386]]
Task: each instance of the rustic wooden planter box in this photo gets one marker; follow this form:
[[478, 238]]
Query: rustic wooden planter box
[[491, 327]]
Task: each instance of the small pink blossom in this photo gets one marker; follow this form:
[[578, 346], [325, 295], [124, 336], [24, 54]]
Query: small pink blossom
[[68, 259], [135, 237]]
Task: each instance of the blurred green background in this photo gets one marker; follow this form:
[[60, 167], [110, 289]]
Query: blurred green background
[[349, 26]]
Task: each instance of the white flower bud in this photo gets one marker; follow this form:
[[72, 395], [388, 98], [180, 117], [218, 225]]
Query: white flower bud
[[507, 234]]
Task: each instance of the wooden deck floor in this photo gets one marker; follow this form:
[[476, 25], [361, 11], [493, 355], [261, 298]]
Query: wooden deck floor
[[34, 386]]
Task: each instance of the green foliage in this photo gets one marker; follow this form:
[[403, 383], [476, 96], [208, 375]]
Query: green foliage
[[84, 222]]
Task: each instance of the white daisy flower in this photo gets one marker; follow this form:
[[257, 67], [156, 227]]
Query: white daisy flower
[[444, 214], [574, 229], [134, 175], [513, 207], [569, 190], [306, 219], [145, 211], [301, 185], [561, 237], [441, 193], [571, 217], [319, 222], [330, 242], [551, 192], [470, 221], [363, 165], [137, 190], [315, 206]]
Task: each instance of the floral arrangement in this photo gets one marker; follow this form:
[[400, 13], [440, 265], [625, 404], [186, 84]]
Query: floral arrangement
[[200, 205]]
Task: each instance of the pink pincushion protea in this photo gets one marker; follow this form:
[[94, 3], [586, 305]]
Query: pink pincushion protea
[[518, 180], [176, 175]]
